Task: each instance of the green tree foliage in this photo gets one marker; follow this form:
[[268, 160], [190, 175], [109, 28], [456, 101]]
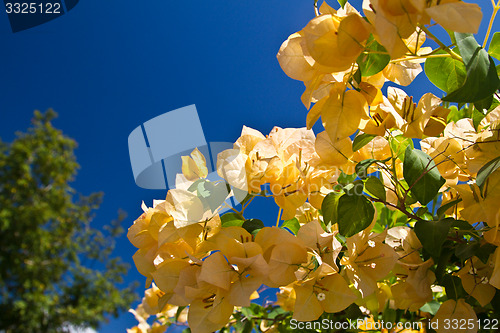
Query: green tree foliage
[[49, 253]]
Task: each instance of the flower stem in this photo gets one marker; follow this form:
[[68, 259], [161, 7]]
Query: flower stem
[[492, 18], [441, 55], [441, 44], [279, 217]]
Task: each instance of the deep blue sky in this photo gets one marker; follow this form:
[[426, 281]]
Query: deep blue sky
[[108, 66]]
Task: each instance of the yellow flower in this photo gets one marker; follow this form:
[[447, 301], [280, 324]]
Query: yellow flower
[[195, 166], [324, 291], [324, 244], [416, 120], [456, 15], [393, 22], [283, 252], [475, 277], [455, 311], [209, 314], [414, 290], [368, 260]]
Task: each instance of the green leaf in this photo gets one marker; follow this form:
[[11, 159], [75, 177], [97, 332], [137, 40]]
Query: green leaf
[[484, 252], [345, 178], [389, 218], [442, 263], [432, 307], [441, 210], [482, 78], [447, 74], [353, 312], [253, 225], [494, 49], [432, 235], [410, 197], [484, 104], [357, 76], [253, 310], [354, 187], [422, 176], [421, 211], [453, 287], [494, 104], [361, 140], [495, 302], [457, 114], [362, 167], [204, 188], [375, 187], [389, 315], [293, 225], [329, 207], [231, 220], [178, 312], [486, 170], [372, 63], [466, 250], [212, 194], [398, 145], [354, 213], [477, 117], [277, 311], [342, 2], [461, 225], [194, 185]]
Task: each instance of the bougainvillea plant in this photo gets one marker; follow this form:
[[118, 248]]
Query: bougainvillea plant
[[390, 214]]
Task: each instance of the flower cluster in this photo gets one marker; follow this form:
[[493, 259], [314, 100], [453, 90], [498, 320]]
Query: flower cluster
[[368, 225]]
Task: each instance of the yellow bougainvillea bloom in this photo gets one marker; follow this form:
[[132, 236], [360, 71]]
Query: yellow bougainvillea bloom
[[324, 291], [240, 261], [368, 260], [319, 182], [335, 42], [393, 21], [286, 297], [322, 243], [167, 274], [415, 290], [150, 300], [495, 276], [342, 111], [378, 148], [292, 59], [284, 253], [324, 50], [379, 120], [448, 155], [475, 277], [485, 148], [144, 234], [248, 139], [481, 206], [336, 152], [416, 120], [195, 166], [457, 311], [209, 314], [143, 326], [187, 208], [456, 15]]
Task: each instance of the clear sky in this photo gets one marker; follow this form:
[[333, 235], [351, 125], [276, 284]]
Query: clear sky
[[108, 66]]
